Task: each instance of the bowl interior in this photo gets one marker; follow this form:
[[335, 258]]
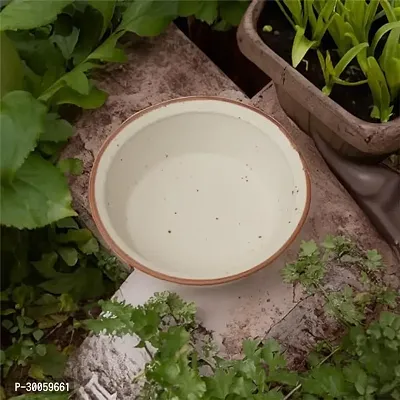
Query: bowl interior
[[199, 189]]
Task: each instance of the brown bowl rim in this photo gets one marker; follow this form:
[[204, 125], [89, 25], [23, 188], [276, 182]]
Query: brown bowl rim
[[193, 282]]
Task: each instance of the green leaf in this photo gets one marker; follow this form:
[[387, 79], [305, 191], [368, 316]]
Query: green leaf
[[67, 223], [94, 99], [220, 385], [208, 11], [67, 44], [149, 17], [73, 166], [187, 8], [47, 190], [69, 255], [232, 11], [308, 248], [46, 265], [2, 357], [76, 236], [77, 81], [84, 283], [51, 320], [56, 129], [23, 295], [89, 247], [52, 363], [38, 334], [36, 372], [106, 8], [380, 91], [348, 57], [11, 69], [19, 130], [108, 51], [7, 324], [301, 45], [41, 349], [30, 14]]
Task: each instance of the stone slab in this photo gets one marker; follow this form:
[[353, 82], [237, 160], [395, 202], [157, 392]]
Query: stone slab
[[257, 306]]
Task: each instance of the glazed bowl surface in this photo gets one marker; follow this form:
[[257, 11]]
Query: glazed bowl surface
[[199, 191]]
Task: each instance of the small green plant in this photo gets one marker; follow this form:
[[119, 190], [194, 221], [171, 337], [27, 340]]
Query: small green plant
[[48, 276], [366, 364], [349, 24], [346, 305]]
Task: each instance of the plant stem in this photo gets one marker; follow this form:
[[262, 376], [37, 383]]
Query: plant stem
[[292, 391], [319, 364]]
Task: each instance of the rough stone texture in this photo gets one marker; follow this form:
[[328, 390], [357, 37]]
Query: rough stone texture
[[164, 68]]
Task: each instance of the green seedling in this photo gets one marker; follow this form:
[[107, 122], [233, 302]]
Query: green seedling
[[332, 73]]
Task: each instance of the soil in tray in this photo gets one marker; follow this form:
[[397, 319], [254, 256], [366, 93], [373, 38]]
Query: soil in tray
[[357, 99]]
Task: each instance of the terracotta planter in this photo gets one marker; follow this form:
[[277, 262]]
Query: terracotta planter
[[308, 107]]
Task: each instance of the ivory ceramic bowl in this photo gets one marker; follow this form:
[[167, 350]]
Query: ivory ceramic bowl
[[199, 191]]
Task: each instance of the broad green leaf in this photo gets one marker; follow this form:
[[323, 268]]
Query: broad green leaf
[[56, 129], [68, 223], [73, 166], [38, 334], [187, 8], [89, 34], [52, 320], [89, 247], [232, 11], [36, 372], [208, 11], [67, 303], [44, 186], [149, 17], [84, 283], [41, 349], [23, 295], [11, 69], [301, 45], [108, 50], [39, 54], [75, 236], [308, 248], [19, 130], [94, 99], [6, 323], [46, 265], [274, 394], [52, 363], [69, 255], [67, 44], [220, 385], [106, 8], [30, 14], [77, 81]]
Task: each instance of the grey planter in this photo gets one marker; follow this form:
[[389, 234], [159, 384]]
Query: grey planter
[[309, 108]]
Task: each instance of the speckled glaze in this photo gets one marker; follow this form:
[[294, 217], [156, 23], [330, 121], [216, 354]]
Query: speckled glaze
[[199, 190]]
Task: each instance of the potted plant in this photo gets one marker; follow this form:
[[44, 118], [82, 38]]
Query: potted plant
[[336, 68]]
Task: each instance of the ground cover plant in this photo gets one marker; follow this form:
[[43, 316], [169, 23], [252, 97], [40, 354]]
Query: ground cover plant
[[364, 363], [357, 43]]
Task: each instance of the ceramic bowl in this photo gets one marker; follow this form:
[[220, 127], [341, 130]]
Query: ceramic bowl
[[199, 191]]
